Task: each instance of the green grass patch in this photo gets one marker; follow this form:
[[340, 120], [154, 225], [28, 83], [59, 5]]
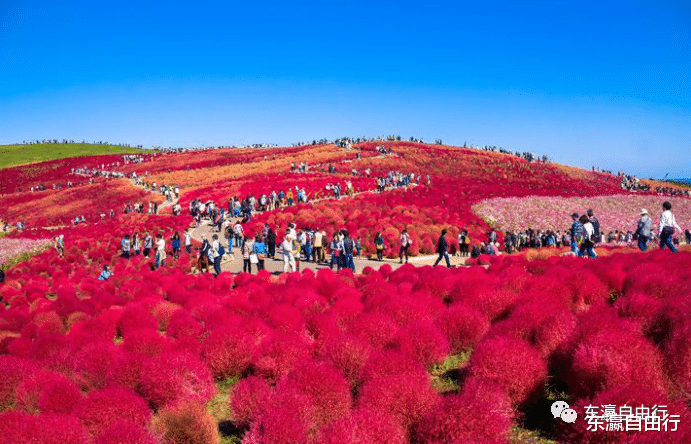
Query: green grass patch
[[14, 155], [520, 435], [219, 408], [448, 375]]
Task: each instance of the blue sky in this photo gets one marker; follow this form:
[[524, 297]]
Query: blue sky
[[604, 83]]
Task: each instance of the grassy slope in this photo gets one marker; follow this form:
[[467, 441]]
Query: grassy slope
[[13, 155]]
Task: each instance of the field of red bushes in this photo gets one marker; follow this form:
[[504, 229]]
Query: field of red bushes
[[417, 355]]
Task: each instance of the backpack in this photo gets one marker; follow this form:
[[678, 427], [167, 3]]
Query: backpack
[[348, 245], [221, 249]]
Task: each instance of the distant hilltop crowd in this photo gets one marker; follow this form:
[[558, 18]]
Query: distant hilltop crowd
[[64, 141]]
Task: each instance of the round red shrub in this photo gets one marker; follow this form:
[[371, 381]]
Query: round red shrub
[[327, 389], [612, 359], [279, 354], [424, 342], [349, 355], [512, 364], [103, 408], [249, 397], [462, 325], [47, 392], [126, 431], [13, 371], [407, 397], [228, 351], [169, 378], [364, 426]]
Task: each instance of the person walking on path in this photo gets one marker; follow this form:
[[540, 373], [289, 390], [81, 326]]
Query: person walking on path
[[246, 251], [442, 246], [148, 244], [405, 245], [188, 241], [644, 230], [271, 243], [288, 256], [318, 245], [259, 249], [576, 232], [348, 246], [667, 227], [587, 243], [217, 251], [379, 245]]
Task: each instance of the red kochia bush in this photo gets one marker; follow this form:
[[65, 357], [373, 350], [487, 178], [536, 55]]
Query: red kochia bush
[[93, 363], [228, 351], [13, 371], [326, 388], [103, 408], [279, 354], [126, 431], [44, 429], [408, 397], [349, 355], [612, 359], [187, 422], [512, 364], [249, 397], [423, 342], [47, 392], [288, 418], [463, 326], [168, 378], [364, 426], [461, 418]]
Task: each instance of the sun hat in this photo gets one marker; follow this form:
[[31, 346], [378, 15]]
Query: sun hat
[[644, 211]]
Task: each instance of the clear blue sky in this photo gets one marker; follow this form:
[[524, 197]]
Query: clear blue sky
[[605, 83]]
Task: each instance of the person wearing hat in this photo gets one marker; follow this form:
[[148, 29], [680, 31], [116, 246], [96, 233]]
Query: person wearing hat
[[644, 230], [576, 232]]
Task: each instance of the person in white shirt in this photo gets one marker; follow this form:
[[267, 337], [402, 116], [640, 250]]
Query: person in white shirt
[[587, 244], [405, 244], [237, 229], [667, 227], [160, 251], [288, 256], [188, 241]]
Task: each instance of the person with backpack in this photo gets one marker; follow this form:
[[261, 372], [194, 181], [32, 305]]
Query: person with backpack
[[596, 225], [667, 227], [126, 246], [644, 230], [348, 247], [259, 249], [379, 245], [576, 232], [587, 243], [228, 235], [442, 246], [405, 245], [246, 251]]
